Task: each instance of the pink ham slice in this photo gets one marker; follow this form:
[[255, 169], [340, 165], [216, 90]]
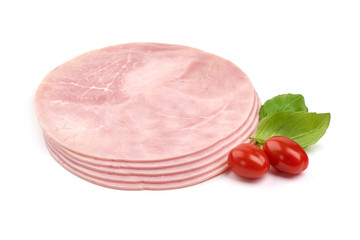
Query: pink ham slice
[[167, 113]]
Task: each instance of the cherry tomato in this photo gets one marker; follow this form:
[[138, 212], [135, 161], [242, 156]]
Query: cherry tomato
[[286, 155], [248, 161]]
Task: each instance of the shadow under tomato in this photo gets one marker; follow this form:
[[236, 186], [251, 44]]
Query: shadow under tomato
[[235, 177], [275, 172]]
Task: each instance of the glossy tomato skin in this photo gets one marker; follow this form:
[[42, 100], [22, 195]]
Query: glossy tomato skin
[[286, 155], [248, 161]]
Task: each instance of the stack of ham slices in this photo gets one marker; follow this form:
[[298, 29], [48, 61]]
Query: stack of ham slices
[[146, 115]]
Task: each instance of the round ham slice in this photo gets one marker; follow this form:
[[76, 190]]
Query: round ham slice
[[146, 115], [143, 101]]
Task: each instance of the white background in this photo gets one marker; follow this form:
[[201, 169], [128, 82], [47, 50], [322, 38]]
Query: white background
[[307, 47]]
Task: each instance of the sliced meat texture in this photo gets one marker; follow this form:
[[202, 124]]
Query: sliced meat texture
[[167, 113], [223, 146]]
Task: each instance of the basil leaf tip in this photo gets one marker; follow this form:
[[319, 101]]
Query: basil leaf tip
[[283, 103]]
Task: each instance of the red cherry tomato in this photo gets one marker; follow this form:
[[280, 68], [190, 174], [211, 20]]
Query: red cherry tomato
[[248, 161], [286, 155]]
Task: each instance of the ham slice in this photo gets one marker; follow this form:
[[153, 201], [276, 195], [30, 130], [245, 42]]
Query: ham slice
[[146, 115]]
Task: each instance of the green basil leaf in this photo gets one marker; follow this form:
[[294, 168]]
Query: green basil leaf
[[303, 127], [283, 103]]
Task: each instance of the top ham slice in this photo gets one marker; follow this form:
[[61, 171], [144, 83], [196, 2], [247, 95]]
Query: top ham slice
[[143, 101]]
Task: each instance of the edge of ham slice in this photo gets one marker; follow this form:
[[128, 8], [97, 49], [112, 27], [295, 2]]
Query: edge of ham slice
[[143, 186]]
